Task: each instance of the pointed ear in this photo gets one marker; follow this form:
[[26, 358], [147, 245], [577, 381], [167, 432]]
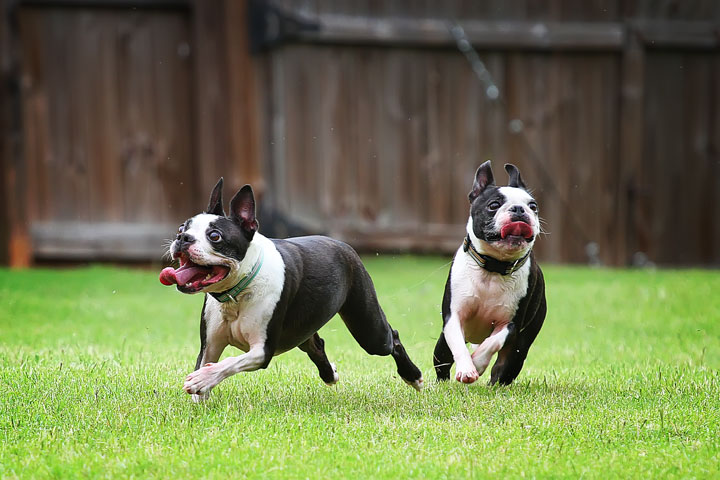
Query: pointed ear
[[215, 205], [515, 178], [242, 210], [483, 179]]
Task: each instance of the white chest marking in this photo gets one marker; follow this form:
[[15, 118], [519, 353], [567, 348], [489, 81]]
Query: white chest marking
[[247, 319], [482, 300]]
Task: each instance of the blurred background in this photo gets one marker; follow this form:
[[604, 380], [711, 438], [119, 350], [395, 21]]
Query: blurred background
[[361, 119]]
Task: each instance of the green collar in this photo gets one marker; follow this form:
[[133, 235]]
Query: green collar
[[242, 284]]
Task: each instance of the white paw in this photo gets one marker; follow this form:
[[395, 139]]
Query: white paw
[[417, 384], [203, 397], [466, 375], [203, 380], [336, 377], [481, 362]]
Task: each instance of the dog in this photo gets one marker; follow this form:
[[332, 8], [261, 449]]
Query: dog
[[267, 296], [495, 292]]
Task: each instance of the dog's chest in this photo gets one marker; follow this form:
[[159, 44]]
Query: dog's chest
[[244, 321], [482, 300]]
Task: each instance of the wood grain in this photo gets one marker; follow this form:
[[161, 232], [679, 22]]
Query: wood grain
[[107, 115], [371, 128]]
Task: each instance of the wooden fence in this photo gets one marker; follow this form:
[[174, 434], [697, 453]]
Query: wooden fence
[[363, 120]]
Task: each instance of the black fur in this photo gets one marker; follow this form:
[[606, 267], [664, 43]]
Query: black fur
[[483, 179], [242, 211], [234, 242], [315, 348], [515, 177], [323, 277], [482, 215], [203, 336], [528, 320], [215, 204]]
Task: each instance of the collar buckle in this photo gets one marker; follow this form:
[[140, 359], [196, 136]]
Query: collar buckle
[[511, 268]]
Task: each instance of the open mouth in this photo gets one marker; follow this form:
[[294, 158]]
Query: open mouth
[[517, 231], [191, 277]]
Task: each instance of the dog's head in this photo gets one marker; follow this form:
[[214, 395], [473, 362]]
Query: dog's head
[[211, 246], [503, 220]]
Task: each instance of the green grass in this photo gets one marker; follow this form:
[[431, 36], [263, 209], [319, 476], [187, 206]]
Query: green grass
[[623, 381]]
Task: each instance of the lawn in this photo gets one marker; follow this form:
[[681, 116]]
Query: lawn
[[622, 382]]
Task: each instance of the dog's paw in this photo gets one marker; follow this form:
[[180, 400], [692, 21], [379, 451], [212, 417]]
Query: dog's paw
[[201, 381], [468, 375], [200, 398], [417, 384], [336, 377]]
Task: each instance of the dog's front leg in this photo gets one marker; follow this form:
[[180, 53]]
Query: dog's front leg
[[465, 371], [213, 340], [490, 346], [203, 380]]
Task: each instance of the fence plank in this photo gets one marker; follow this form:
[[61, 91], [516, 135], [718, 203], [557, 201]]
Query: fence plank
[[432, 32], [107, 115], [100, 241]]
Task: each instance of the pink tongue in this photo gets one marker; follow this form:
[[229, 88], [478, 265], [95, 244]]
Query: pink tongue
[[170, 276], [520, 229]]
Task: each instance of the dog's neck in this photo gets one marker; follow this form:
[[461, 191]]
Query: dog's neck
[[241, 278], [491, 258]]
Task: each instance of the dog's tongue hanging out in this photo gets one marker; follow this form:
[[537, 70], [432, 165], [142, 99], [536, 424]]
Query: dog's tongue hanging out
[[518, 229], [181, 276], [191, 273]]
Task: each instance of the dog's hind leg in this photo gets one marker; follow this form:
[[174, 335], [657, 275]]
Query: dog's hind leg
[[512, 356], [315, 348], [366, 321], [409, 372], [442, 359]]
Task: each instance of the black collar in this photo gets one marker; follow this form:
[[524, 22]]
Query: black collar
[[492, 264]]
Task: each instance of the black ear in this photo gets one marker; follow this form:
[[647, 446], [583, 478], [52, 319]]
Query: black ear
[[215, 205], [242, 210], [515, 178], [483, 179]]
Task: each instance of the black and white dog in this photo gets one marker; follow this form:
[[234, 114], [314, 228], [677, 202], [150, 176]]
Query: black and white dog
[[495, 292], [267, 296]]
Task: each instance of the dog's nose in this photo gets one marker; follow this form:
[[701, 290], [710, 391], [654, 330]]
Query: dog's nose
[[517, 209], [185, 238]]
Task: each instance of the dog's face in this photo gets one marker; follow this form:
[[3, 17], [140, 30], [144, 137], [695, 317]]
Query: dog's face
[[211, 246], [505, 218]]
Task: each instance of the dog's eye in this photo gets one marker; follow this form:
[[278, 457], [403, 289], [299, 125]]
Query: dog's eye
[[181, 228], [214, 236], [533, 206], [493, 206]]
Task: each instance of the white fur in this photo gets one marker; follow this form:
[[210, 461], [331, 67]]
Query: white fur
[[465, 370], [516, 196], [417, 384], [489, 347], [243, 323], [336, 377]]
